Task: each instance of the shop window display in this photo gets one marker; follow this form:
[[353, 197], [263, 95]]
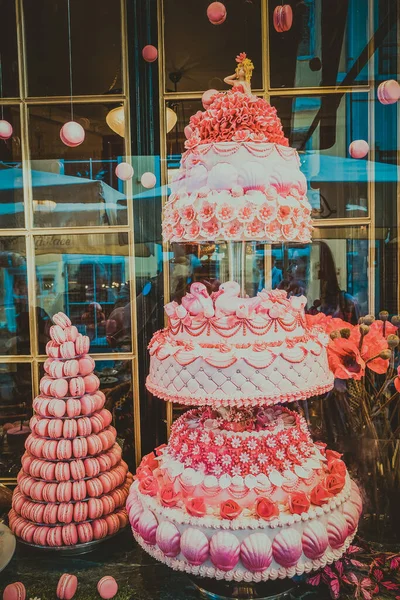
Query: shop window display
[[123, 212]]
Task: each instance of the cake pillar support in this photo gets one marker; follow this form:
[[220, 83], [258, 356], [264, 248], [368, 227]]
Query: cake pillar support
[[237, 264]]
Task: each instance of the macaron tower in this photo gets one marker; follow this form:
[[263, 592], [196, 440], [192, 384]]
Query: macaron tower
[[73, 484], [241, 492]]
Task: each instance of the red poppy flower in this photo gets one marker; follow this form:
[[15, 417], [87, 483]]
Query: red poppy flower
[[345, 359], [397, 380], [377, 326], [372, 345]]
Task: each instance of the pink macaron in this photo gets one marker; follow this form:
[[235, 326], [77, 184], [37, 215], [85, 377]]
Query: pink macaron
[[57, 408], [86, 365], [123, 518], [107, 587], [92, 383], [84, 426], [47, 363], [37, 512], [50, 514], [45, 385], [36, 467], [70, 535], [85, 532], [40, 536], [64, 450], [53, 349], [97, 423], [54, 537], [100, 529], [64, 491], [108, 505], [82, 345], [70, 429], [37, 447], [80, 447], [37, 491], [80, 511], [77, 469], [71, 333], [95, 508], [55, 428], [94, 444], [92, 467], [71, 368], [87, 404], [15, 591], [79, 490], [67, 584], [105, 462], [48, 471], [94, 487], [41, 428], [77, 386], [59, 388], [106, 416], [62, 471], [41, 406], [56, 369], [61, 319], [107, 481], [112, 523], [67, 350], [65, 512], [100, 399], [57, 334], [73, 407], [50, 492]]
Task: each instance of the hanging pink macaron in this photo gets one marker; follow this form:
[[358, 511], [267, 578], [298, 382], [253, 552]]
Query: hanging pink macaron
[[283, 18], [216, 13], [388, 92], [358, 149], [72, 134], [6, 130], [124, 171], [150, 53], [148, 180]]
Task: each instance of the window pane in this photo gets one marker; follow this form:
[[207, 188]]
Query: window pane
[[95, 46], [75, 186], [322, 128], [15, 412], [323, 47], [11, 180], [8, 49], [14, 305], [198, 55], [86, 277]]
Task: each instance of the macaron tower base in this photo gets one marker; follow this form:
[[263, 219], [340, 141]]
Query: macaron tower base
[[73, 484]]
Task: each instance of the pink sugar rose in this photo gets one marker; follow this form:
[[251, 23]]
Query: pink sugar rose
[[298, 503], [192, 231], [267, 212], [255, 229], [148, 486], [289, 232], [245, 213], [233, 230], [225, 212], [230, 509], [168, 496], [187, 214], [196, 507], [266, 509], [179, 231], [284, 214], [211, 228], [320, 495], [206, 211]]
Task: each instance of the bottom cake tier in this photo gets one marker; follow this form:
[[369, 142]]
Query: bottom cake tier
[[293, 513]]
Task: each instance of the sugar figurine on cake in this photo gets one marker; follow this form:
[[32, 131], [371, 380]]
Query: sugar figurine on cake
[[241, 492]]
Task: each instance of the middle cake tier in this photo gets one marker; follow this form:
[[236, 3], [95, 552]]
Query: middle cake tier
[[224, 350]]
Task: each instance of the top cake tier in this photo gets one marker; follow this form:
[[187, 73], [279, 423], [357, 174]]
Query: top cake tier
[[239, 180]]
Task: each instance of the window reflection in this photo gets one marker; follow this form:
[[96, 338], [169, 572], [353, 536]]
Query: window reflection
[[14, 305], [199, 55], [323, 47], [15, 412], [96, 46], [11, 179], [75, 187], [87, 277], [8, 49]]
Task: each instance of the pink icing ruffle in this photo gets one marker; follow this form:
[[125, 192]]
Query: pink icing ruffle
[[236, 116], [243, 402]]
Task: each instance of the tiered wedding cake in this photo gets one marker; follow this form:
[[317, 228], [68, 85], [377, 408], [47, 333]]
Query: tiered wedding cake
[[241, 492], [73, 484]]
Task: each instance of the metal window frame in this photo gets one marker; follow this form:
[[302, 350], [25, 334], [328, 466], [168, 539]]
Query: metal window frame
[[29, 232]]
